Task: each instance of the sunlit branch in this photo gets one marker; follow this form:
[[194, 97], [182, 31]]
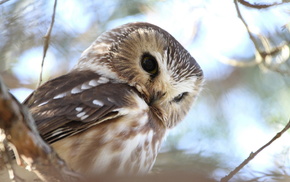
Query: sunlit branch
[[237, 63], [261, 56], [46, 41], [17, 126], [253, 155], [246, 25], [257, 6], [3, 1]]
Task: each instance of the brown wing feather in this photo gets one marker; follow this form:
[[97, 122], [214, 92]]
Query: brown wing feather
[[59, 117]]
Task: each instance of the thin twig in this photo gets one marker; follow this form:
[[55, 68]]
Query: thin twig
[[263, 54], [252, 155], [258, 6], [247, 26], [260, 54], [3, 1], [46, 41]]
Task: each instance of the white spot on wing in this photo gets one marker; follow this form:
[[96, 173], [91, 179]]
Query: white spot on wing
[[93, 83], [103, 80], [84, 117], [59, 96], [98, 103], [110, 99], [56, 132], [79, 109], [85, 86], [43, 103], [81, 114], [122, 111], [76, 90]]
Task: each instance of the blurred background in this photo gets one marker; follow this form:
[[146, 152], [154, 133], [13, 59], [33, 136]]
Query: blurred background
[[246, 96]]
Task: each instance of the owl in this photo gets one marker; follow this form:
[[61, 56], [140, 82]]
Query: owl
[[111, 112]]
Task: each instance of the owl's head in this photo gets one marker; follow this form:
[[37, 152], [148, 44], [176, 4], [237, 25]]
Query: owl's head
[[151, 60]]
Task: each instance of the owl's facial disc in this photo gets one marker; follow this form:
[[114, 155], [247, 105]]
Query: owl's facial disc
[[150, 65], [175, 84], [148, 58]]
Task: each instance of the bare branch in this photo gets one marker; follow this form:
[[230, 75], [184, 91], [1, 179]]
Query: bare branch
[[18, 130], [3, 1], [252, 155], [235, 61], [246, 25], [258, 6], [273, 51], [46, 41], [261, 56]]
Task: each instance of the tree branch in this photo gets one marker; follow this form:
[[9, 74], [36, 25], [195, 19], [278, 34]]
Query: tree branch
[[46, 41], [252, 155], [246, 25], [261, 56], [18, 131], [3, 1], [257, 6]]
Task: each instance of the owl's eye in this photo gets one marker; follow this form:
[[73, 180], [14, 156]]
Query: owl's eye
[[180, 97], [149, 64]]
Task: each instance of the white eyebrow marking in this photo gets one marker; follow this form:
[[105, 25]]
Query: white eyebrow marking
[[103, 80], [85, 86], [98, 103], [81, 114], [76, 90], [59, 96], [79, 109], [93, 83]]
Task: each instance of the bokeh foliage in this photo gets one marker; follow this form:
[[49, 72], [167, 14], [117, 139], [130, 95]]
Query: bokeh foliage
[[239, 109]]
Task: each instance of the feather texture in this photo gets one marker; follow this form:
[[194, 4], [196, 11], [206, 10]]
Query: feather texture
[[109, 114]]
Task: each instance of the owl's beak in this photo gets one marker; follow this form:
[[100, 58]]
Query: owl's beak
[[156, 97], [153, 99], [143, 92]]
